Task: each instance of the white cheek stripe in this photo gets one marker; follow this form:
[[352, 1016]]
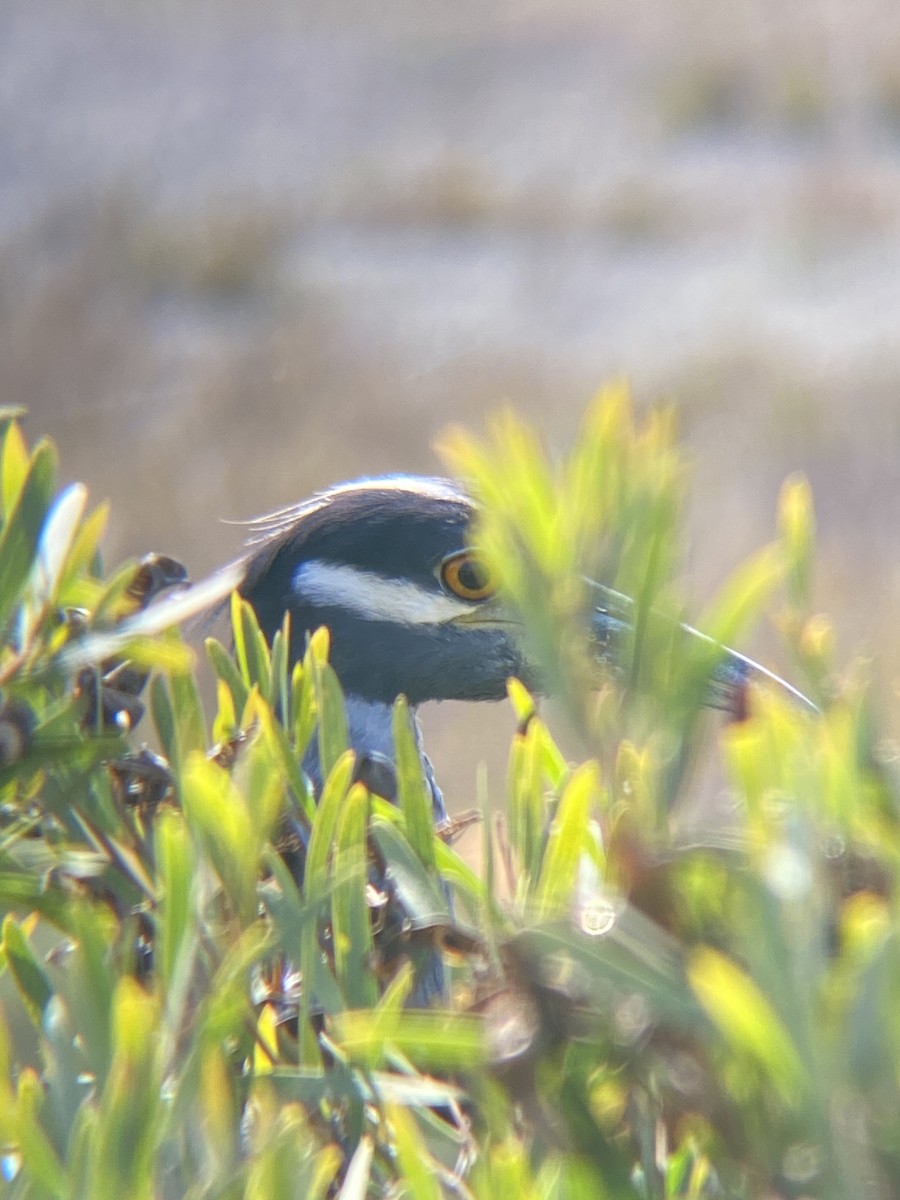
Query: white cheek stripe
[[373, 596]]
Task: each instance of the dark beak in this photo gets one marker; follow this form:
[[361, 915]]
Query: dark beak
[[730, 676]]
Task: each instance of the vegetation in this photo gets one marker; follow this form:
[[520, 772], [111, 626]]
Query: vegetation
[[206, 970]]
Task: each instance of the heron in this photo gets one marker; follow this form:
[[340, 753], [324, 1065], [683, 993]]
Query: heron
[[388, 565]]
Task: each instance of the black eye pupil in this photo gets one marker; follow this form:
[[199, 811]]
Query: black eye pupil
[[472, 576]]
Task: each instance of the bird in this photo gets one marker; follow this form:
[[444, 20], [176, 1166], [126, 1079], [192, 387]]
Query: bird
[[388, 565]]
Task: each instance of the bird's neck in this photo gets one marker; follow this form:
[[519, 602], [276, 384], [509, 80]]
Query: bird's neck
[[370, 734], [369, 727]]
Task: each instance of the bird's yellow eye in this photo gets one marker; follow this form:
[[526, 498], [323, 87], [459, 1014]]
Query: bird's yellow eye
[[466, 576]]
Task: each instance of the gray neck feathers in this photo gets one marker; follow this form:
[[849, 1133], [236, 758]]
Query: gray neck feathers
[[372, 740]]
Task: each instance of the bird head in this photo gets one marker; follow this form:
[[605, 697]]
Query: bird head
[[386, 565]]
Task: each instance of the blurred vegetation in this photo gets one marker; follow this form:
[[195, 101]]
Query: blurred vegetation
[[280, 248], [206, 969]]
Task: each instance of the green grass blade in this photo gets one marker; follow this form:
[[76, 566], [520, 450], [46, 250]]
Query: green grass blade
[[413, 796], [33, 985], [567, 843], [351, 924], [20, 533]]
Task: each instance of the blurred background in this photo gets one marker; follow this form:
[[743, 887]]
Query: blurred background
[[250, 249]]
